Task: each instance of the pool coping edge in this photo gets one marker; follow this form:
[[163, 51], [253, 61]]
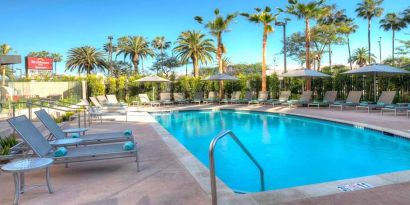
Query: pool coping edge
[[227, 196]]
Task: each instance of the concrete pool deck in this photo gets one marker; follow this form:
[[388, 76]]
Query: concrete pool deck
[[166, 179]]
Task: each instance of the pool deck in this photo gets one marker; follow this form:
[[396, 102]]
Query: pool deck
[[166, 178]]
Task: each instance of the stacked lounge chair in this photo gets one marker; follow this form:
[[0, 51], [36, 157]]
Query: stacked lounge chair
[[385, 99], [42, 148], [102, 99], [106, 107], [235, 96], [246, 98], [329, 98], [212, 97], [352, 100], [112, 100], [198, 97], [165, 99], [262, 98], [180, 99], [58, 133], [304, 99], [144, 100], [283, 98]]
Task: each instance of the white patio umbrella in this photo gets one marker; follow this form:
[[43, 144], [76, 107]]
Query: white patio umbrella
[[152, 79], [304, 73], [377, 70], [221, 77]]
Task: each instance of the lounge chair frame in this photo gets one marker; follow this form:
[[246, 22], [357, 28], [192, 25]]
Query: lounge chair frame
[[40, 146], [386, 98], [283, 98], [329, 98], [304, 99], [353, 99], [57, 132]]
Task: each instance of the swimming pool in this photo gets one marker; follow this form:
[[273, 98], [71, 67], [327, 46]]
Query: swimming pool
[[292, 150]]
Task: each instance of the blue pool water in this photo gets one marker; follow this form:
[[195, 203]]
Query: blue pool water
[[293, 151]]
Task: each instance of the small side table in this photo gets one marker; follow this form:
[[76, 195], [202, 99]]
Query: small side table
[[20, 166], [75, 130]]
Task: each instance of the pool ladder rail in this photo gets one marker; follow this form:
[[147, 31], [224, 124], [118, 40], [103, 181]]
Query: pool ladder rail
[[212, 176]]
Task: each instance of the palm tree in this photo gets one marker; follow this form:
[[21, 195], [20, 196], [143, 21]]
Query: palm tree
[[226, 62], [160, 44], [406, 15], [56, 59], [217, 27], [394, 23], [311, 10], [4, 50], [136, 47], [110, 48], [360, 57], [334, 25], [39, 54], [266, 18], [86, 59], [367, 10], [350, 27], [195, 46]]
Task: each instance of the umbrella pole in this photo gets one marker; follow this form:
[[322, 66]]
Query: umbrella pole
[[153, 92]]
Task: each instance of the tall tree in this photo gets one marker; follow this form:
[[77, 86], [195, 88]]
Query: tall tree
[[349, 27], [308, 11], [368, 9], [160, 44], [406, 15], [110, 48], [266, 18], [360, 57], [394, 23], [85, 58], [40, 54], [334, 25], [167, 65], [195, 46], [217, 27], [121, 68], [56, 59], [4, 50], [136, 48]]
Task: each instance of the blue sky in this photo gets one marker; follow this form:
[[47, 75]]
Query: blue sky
[[58, 25]]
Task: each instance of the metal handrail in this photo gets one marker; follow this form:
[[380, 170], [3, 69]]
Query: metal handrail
[[212, 162]]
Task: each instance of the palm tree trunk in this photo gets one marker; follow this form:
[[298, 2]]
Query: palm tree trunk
[[3, 82], [330, 56], [264, 41], [308, 66], [219, 57], [392, 52], [368, 39], [135, 62], [196, 68], [350, 54]]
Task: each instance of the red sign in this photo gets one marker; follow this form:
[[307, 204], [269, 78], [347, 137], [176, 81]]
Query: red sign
[[34, 63]]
